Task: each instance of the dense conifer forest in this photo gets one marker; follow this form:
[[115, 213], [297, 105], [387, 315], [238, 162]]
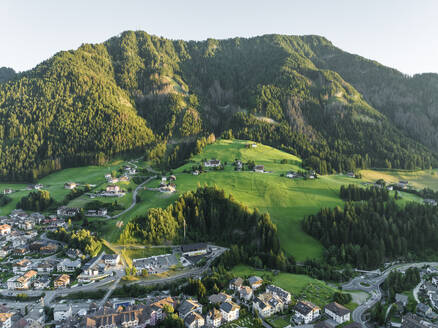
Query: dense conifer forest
[[146, 94]]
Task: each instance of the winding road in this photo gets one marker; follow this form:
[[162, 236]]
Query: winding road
[[372, 286], [134, 198]]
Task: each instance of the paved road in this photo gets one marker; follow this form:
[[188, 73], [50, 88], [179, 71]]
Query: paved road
[[134, 198], [372, 286]]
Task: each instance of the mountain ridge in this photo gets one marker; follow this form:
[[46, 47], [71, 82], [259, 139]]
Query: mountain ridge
[[136, 91]]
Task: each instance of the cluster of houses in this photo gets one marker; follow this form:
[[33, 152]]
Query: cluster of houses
[[168, 184], [18, 233]]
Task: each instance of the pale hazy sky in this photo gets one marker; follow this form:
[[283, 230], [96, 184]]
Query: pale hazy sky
[[398, 33]]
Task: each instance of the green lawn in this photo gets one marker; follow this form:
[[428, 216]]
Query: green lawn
[[300, 286]]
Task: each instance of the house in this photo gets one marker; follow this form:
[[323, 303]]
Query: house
[[401, 299], [337, 312], [403, 184], [67, 211], [214, 318], [259, 168], [423, 310], [26, 225], [5, 320], [194, 320], [172, 178], [73, 253], [42, 282], [44, 267], [306, 311], [62, 281], [246, 293], [111, 259], [390, 188], [130, 170], [267, 304], [194, 249], [195, 172], [291, 175], [189, 306], [67, 265], [284, 295], [230, 311], [168, 188], [62, 312], [212, 163], [351, 175], [99, 212], [431, 202], [5, 229], [236, 283], [22, 266], [412, 321], [255, 282], [70, 185], [8, 191], [158, 306], [218, 298], [130, 316], [38, 186], [48, 248], [112, 189], [22, 282]]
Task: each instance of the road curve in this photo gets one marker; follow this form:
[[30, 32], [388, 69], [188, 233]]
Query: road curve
[[134, 198]]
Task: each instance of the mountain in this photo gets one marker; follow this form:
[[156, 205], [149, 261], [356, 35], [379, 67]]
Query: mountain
[[136, 92]]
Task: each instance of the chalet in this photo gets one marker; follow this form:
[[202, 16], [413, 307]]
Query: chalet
[[236, 284], [70, 185], [45, 267], [291, 175], [390, 188], [38, 186], [172, 178], [403, 184], [219, 298], [212, 163], [259, 168], [267, 304], [255, 282], [214, 318], [189, 306], [284, 295], [351, 175], [5, 229], [124, 178], [111, 259], [62, 281], [42, 282], [130, 170], [306, 311], [194, 320], [67, 211], [169, 188], [22, 266], [22, 282], [194, 249], [230, 311], [73, 253], [99, 212], [246, 293], [337, 312], [67, 265], [8, 191], [195, 172]]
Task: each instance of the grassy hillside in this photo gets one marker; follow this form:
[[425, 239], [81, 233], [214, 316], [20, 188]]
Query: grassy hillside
[[287, 201], [418, 179]]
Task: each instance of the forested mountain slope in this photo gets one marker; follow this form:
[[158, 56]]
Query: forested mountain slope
[[136, 91]]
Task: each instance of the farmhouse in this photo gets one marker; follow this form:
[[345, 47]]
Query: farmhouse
[[168, 188], [212, 163], [67, 211], [70, 185], [99, 212], [194, 249], [337, 312], [8, 191], [259, 168]]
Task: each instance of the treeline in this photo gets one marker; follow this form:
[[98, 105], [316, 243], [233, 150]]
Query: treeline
[[38, 200], [80, 239], [4, 199], [354, 192], [398, 282], [208, 214], [367, 234]]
